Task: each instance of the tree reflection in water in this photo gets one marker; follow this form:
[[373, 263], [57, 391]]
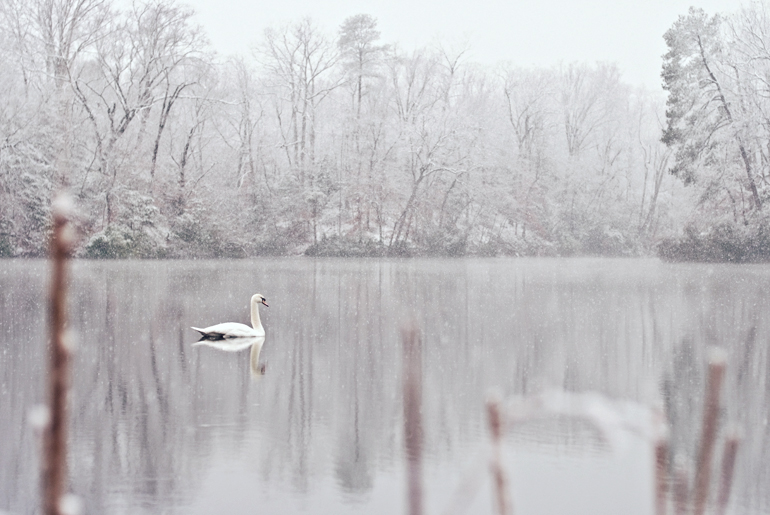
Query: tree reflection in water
[[160, 425]]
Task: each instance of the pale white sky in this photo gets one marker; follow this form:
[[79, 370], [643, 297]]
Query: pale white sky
[[525, 32]]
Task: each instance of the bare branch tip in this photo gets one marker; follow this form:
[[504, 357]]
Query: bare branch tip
[[38, 417], [62, 206], [717, 356]]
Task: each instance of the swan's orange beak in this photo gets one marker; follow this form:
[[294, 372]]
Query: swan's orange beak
[[264, 301]]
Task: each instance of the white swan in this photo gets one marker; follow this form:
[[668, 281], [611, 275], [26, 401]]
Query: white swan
[[229, 330]]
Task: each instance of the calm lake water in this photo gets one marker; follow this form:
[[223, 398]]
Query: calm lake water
[[313, 423]]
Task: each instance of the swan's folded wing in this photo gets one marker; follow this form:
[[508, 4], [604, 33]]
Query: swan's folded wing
[[231, 344], [228, 330]]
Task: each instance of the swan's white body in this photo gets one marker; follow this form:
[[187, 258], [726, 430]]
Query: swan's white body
[[230, 330]]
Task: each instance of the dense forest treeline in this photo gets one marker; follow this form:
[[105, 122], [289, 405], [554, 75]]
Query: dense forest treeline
[[333, 142]]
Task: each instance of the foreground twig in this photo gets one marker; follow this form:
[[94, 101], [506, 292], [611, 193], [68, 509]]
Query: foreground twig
[[728, 466], [412, 369], [716, 372], [661, 476], [681, 492], [495, 419], [55, 456]]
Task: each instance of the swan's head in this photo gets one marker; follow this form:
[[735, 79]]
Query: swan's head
[[259, 298]]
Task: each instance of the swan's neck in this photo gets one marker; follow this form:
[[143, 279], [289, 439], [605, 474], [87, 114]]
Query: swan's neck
[[256, 323]]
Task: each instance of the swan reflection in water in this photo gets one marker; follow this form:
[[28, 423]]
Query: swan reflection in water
[[239, 344]]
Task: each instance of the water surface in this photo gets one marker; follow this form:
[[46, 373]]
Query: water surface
[[313, 424]]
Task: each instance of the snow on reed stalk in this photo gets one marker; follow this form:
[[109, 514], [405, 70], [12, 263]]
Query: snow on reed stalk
[[495, 420], [55, 437], [716, 373], [412, 384]]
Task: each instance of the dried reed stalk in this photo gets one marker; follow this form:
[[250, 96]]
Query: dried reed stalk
[[681, 490], [495, 420], [716, 372], [661, 476], [728, 466], [55, 444], [412, 383]]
